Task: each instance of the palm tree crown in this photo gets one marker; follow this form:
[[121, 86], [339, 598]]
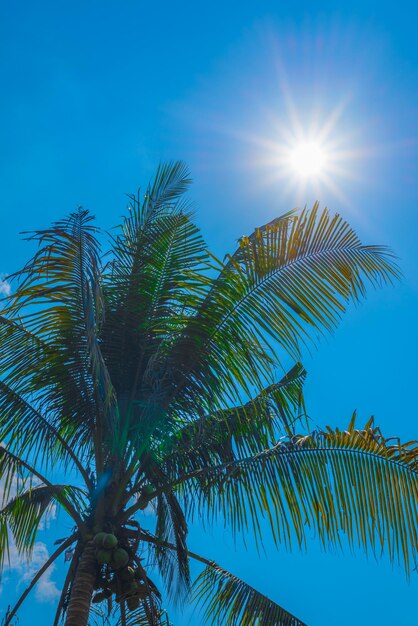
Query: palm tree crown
[[149, 375]]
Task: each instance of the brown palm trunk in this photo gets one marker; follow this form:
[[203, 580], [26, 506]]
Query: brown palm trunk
[[82, 589]]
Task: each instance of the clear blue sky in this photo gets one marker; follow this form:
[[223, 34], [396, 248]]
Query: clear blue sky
[[95, 94]]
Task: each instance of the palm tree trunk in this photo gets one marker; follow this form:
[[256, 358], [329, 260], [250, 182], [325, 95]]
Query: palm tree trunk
[[82, 589]]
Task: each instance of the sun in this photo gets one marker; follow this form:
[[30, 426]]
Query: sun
[[308, 159], [311, 155]]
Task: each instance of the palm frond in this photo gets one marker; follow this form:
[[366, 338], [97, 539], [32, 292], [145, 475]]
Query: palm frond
[[23, 514], [229, 601], [352, 484], [28, 432], [172, 527], [62, 286], [238, 431], [35, 372], [290, 281], [149, 613], [148, 286]]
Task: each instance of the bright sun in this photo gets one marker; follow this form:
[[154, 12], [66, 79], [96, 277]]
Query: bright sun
[[308, 159]]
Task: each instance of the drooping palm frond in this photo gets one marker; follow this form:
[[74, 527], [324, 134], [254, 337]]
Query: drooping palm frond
[[290, 281], [149, 613], [18, 479], [23, 514], [30, 434], [33, 372], [229, 601], [172, 528], [352, 484]]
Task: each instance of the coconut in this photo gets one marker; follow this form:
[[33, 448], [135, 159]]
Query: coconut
[[120, 558], [110, 541], [104, 556], [131, 587], [98, 539], [132, 602]]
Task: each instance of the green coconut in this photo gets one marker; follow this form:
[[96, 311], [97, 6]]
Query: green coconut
[[132, 602], [146, 494], [131, 587], [104, 556], [110, 541], [98, 539], [120, 558]]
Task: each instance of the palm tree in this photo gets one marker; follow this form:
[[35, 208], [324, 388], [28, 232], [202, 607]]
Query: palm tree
[[148, 378]]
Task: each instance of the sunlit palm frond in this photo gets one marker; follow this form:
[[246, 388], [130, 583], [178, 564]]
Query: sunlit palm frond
[[290, 281], [352, 484]]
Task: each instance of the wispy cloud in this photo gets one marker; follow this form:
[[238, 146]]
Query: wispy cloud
[[5, 288]]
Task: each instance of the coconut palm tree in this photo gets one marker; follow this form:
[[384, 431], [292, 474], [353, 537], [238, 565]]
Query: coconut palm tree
[[147, 378]]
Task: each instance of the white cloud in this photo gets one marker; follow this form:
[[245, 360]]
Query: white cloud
[[46, 589], [5, 288]]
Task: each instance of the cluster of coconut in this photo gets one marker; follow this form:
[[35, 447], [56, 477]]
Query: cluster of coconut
[[108, 552], [126, 582]]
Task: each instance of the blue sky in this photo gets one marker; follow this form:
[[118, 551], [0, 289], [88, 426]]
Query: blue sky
[[95, 95]]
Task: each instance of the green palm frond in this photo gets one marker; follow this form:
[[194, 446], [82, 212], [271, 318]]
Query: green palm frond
[[148, 287], [29, 433], [352, 484], [290, 281], [35, 372], [62, 286], [229, 601], [147, 614], [172, 527], [16, 474], [240, 430], [24, 513]]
